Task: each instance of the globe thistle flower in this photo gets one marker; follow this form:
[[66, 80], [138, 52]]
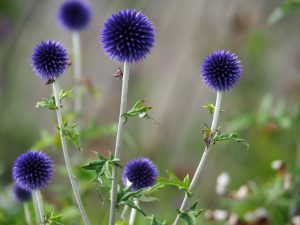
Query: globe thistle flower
[[49, 59], [221, 70], [21, 195], [128, 36], [74, 14], [32, 170], [140, 172]]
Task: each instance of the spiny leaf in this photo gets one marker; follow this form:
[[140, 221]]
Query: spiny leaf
[[103, 169], [103, 166], [51, 219], [142, 194], [127, 197], [71, 134], [154, 221], [190, 216], [47, 103], [228, 137], [130, 198], [139, 109], [172, 180]]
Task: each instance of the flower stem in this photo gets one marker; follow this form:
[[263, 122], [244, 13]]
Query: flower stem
[[36, 211], [27, 214], [204, 156], [113, 197], [133, 214], [66, 155], [77, 75], [39, 203]]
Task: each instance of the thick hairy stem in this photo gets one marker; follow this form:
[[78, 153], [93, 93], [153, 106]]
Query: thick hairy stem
[[204, 156], [39, 203], [66, 155], [113, 197]]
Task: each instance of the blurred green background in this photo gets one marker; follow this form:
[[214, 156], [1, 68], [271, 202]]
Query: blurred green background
[[262, 108]]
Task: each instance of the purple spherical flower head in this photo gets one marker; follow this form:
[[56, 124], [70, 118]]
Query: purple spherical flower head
[[140, 172], [128, 36], [221, 70], [74, 14], [49, 59], [33, 170], [21, 195]]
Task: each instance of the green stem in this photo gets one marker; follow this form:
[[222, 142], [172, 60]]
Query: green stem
[[204, 156], [113, 197], [66, 155], [27, 213], [39, 203]]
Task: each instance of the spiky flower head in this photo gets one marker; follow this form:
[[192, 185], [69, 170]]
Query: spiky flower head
[[221, 70], [49, 59], [21, 195], [33, 170], [74, 14], [140, 172], [128, 36]]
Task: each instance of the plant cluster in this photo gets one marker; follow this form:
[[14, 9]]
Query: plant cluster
[[128, 36]]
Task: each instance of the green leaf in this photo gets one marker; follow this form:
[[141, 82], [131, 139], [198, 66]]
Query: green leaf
[[103, 166], [139, 109], [190, 216], [131, 198], [63, 94], [228, 137], [47, 103], [126, 197], [133, 205], [50, 103], [51, 219], [172, 180], [103, 170], [154, 221], [71, 134], [207, 135], [211, 108]]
